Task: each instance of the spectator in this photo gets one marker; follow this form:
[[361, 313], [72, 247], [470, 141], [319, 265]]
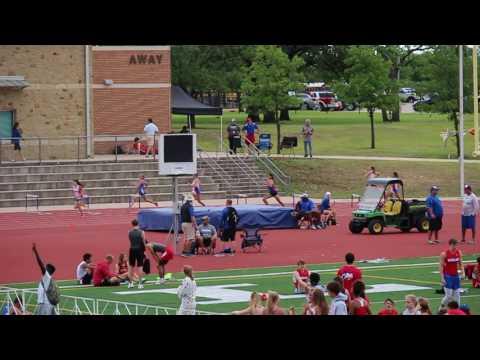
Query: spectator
[[102, 276], [187, 293], [314, 283], [307, 132], [272, 191], [16, 138], [349, 273], [136, 255], [254, 308], [85, 270], [359, 304], [453, 308], [318, 304], [327, 213], [372, 173], [306, 212], [338, 305], [411, 305], [449, 266], [301, 278], [424, 306], [250, 129], [469, 212], [140, 148], [344, 293], [47, 288], [206, 237], [234, 137], [435, 214], [150, 130], [189, 224], [228, 227], [389, 308], [272, 307]]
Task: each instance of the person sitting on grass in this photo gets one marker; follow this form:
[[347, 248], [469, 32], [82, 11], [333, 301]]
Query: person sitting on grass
[[424, 306], [206, 237], [476, 275], [85, 270], [103, 276], [411, 305], [121, 267], [359, 305], [338, 305], [453, 308], [301, 278], [272, 307], [389, 308], [254, 308]]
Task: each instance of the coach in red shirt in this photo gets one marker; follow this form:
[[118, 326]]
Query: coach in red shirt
[[103, 276], [349, 273]]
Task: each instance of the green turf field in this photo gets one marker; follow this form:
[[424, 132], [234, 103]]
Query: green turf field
[[228, 290]]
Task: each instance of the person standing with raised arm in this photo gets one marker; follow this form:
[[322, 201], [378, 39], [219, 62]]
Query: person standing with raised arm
[[47, 284]]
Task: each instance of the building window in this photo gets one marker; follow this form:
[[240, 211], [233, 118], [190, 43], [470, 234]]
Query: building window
[[7, 119]]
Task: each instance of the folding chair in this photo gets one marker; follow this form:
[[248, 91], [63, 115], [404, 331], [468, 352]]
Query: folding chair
[[289, 143]]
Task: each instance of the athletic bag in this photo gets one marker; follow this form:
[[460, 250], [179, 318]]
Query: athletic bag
[[53, 292], [146, 266]]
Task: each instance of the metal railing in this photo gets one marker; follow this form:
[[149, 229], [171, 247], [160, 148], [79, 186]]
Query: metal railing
[[216, 169], [44, 149]]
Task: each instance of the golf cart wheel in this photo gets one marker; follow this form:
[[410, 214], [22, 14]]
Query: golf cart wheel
[[375, 227], [423, 225], [355, 227]]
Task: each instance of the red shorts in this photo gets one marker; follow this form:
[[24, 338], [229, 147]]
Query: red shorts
[[250, 139], [167, 255]]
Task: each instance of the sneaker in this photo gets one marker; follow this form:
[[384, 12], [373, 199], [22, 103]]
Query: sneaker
[[131, 285], [140, 286], [143, 281]]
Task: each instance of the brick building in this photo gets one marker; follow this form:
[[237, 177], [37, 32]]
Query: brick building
[[71, 93]]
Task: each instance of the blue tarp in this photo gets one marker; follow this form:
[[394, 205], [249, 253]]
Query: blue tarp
[[252, 216]]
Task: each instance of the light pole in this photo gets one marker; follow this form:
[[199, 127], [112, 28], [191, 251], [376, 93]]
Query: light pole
[[461, 126], [475, 100]]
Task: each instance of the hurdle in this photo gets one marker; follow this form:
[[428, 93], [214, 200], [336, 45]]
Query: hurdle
[[131, 199], [29, 196]]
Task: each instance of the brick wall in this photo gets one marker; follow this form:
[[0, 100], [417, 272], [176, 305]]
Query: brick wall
[[124, 108]]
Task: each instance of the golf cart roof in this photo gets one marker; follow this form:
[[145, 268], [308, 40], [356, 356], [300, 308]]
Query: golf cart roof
[[384, 181]]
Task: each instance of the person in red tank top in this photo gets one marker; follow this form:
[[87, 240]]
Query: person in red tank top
[[476, 275], [450, 264], [359, 305], [300, 276], [389, 308], [349, 273]]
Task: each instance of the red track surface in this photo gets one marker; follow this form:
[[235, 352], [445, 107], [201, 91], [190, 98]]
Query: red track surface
[[63, 236]]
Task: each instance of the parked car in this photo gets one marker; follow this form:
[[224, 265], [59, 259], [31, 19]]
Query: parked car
[[325, 99], [424, 101], [408, 95], [306, 102]]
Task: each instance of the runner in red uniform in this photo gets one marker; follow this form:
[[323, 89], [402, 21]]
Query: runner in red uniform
[[359, 305], [349, 273], [450, 263], [300, 275]]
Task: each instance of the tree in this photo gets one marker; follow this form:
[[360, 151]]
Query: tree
[[367, 82], [269, 79], [397, 56], [443, 83]]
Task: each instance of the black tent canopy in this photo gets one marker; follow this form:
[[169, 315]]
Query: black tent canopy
[[184, 104]]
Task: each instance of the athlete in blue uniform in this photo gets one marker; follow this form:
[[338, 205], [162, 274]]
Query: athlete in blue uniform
[[142, 190]]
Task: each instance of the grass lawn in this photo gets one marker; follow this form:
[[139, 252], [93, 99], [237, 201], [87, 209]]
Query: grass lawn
[[384, 280], [344, 177], [348, 133]]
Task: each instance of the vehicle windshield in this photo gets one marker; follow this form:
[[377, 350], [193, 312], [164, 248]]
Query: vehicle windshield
[[371, 197]]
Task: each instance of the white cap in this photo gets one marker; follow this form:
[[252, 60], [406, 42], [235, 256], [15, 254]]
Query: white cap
[[328, 193], [304, 195]]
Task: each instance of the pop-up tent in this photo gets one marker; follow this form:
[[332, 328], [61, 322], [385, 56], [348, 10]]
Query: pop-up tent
[[184, 104]]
